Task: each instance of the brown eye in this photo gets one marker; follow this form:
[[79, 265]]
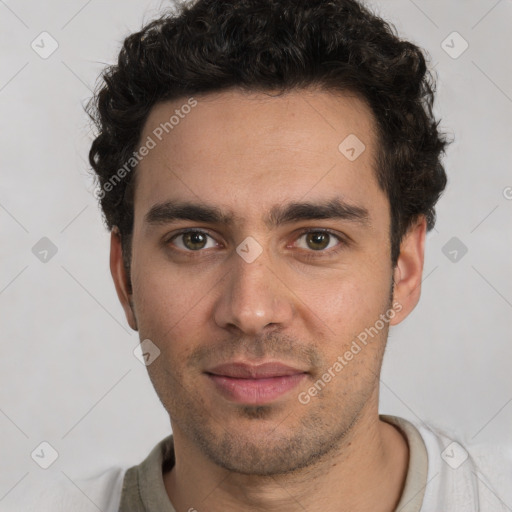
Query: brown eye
[[193, 241], [317, 240]]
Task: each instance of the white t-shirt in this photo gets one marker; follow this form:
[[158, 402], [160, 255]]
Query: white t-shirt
[[443, 476]]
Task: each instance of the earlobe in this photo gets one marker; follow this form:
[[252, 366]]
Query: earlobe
[[118, 271], [408, 271]]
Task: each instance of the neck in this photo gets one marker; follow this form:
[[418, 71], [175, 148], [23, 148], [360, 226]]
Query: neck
[[366, 472]]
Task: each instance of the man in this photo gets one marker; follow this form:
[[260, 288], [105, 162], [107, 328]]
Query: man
[[268, 171]]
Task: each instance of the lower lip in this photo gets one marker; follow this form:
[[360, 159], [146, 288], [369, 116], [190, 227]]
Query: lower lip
[[255, 391]]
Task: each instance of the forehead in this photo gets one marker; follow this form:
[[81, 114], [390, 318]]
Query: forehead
[[250, 151]]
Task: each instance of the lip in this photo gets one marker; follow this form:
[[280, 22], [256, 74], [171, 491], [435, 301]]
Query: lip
[[254, 384], [254, 371]]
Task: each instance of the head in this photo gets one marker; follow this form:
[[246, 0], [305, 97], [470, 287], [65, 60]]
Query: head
[[268, 171]]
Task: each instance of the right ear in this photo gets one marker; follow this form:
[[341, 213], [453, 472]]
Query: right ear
[[118, 271]]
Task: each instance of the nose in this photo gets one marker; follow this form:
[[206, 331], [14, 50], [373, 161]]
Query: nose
[[253, 299]]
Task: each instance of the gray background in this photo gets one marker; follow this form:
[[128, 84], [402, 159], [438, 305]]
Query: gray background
[[68, 373]]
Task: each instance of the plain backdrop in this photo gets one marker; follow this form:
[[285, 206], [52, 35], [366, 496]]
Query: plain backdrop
[[68, 373]]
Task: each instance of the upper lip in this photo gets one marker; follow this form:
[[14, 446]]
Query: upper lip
[[249, 371]]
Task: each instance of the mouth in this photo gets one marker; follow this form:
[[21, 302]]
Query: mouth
[[255, 384]]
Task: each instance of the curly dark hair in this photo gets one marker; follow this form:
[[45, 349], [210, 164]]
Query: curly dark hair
[[274, 45]]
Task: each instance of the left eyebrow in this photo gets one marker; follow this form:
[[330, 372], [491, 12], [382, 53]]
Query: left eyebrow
[[334, 209]]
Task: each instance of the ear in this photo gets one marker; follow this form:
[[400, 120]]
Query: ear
[[409, 270], [118, 271]]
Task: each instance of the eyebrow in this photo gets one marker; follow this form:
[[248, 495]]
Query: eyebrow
[[169, 211], [333, 209]]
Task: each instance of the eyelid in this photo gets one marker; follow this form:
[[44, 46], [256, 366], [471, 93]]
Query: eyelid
[[342, 239], [170, 238], [343, 243]]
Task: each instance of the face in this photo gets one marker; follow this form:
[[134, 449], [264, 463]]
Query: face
[[260, 259]]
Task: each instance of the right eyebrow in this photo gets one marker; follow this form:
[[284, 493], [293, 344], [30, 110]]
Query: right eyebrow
[[168, 211]]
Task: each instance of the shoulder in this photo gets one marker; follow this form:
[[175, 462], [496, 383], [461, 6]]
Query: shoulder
[[463, 475], [63, 494]]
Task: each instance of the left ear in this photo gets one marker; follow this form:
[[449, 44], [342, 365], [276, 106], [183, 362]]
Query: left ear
[[409, 270]]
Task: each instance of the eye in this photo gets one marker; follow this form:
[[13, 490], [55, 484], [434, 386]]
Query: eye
[[318, 240], [193, 240]]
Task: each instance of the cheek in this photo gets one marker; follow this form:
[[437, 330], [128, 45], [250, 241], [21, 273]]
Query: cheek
[[168, 315], [350, 302], [164, 297], [350, 312]]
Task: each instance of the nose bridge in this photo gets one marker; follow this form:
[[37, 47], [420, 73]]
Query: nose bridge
[[253, 297]]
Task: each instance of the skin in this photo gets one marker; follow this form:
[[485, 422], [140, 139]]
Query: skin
[[299, 302]]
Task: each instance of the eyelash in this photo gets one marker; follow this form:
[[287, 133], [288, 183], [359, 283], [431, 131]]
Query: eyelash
[[311, 254], [308, 255]]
